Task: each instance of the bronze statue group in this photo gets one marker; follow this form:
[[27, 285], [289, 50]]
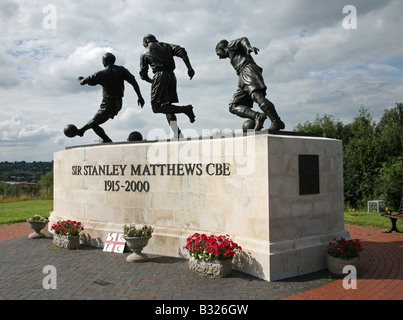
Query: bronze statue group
[[159, 56]]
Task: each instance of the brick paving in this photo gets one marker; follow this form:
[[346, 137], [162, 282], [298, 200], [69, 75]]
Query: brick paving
[[380, 272], [91, 274]]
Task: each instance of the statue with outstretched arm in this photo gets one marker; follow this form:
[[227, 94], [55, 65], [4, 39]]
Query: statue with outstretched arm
[[112, 80], [251, 86], [160, 57]]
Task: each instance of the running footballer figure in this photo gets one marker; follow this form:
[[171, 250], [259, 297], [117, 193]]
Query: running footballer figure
[[251, 86], [112, 80], [160, 57]]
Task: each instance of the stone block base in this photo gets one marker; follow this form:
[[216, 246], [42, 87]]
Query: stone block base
[[280, 197]]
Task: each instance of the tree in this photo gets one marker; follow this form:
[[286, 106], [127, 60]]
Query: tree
[[361, 160], [372, 154], [325, 126], [46, 184], [389, 185], [390, 131]]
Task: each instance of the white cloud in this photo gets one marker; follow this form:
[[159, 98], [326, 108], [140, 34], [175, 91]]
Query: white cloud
[[17, 132], [21, 139]]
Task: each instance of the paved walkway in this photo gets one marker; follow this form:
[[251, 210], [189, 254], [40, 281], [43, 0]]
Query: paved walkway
[[380, 272], [92, 274]]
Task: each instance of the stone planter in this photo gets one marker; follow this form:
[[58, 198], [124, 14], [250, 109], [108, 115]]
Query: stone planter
[[218, 268], [37, 226], [336, 265], [137, 244], [68, 242]]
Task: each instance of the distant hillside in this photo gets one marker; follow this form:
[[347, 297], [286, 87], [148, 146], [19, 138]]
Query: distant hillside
[[21, 171]]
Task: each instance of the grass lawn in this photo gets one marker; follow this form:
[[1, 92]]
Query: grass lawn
[[20, 211], [371, 219]]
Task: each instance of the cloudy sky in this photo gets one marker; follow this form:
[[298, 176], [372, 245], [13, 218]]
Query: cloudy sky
[[313, 63]]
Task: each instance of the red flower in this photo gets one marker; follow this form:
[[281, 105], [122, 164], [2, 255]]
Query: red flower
[[345, 249], [211, 247]]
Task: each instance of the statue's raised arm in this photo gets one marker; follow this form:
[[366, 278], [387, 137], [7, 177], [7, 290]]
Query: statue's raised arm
[[251, 86]]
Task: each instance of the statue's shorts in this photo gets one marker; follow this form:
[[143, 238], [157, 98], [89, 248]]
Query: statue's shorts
[[163, 89], [250, 79], [109, 108]]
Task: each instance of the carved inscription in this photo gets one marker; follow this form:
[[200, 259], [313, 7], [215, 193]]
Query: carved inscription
[[118, 172]]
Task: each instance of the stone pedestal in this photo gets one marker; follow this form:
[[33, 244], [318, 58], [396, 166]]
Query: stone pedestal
[[217, 269], [37, 226], [280, 197], [68, 242]]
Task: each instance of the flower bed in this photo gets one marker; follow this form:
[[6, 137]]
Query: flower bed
[[344, 249], [67, 234], [37, 218], [67, 228], [210, 248], [131, 231]]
